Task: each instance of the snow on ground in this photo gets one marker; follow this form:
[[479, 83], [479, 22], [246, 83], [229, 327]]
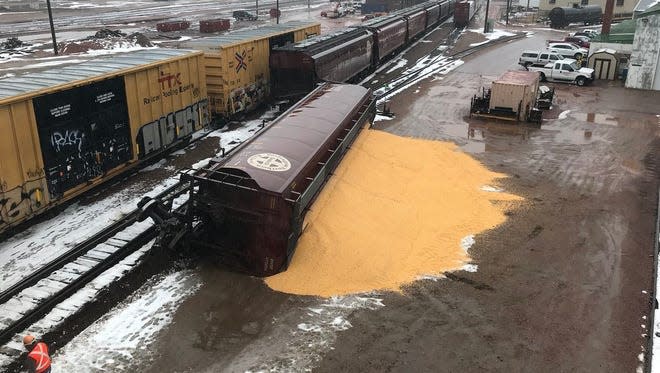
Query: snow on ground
[[400, 63], [496, 34], [424, 68], [27, 251], [112, 342], [303, 340]]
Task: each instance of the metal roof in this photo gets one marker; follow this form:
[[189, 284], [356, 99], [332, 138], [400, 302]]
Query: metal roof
[[651, 10], [294, 138], [39, 81], [622, 33], [243, 35], [643, 5], [519, 77]]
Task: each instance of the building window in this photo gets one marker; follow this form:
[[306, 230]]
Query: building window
[[584, 2], [619, 2], [552, 1]]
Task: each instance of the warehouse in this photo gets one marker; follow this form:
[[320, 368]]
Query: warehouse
[[68, 129], [237, 64]]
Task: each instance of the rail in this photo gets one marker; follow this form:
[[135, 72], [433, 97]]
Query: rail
[[104, 236]]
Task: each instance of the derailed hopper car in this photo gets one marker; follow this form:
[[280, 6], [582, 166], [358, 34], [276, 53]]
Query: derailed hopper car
[[253, 202], [68, 129]]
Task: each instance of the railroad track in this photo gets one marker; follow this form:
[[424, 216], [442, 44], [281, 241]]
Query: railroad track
[[432, 66], [32, 298], [190, 12]]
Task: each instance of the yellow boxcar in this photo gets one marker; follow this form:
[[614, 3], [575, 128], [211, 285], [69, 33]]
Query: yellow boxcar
[[237, 64], [69, 129]]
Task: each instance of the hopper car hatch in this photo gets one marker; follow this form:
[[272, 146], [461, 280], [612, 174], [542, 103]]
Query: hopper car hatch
[[248, 207]]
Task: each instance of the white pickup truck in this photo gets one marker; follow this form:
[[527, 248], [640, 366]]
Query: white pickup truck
[[566, 71]]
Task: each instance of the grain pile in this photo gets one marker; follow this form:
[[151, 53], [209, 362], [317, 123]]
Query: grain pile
[[396, 208]]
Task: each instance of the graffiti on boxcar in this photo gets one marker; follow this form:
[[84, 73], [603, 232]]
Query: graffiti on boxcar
[[20, 202], [249, 97], [60, 140], [35, 173]]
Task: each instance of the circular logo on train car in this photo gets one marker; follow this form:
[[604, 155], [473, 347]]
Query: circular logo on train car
[[269, 162]]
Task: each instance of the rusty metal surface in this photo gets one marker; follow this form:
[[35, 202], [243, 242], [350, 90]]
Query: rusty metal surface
[[336, 57], [390, 33], [214, 25]]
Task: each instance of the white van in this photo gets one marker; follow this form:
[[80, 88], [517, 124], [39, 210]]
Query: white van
[[538, 57]]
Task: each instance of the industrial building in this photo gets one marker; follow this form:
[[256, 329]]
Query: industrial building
[[644, 69]]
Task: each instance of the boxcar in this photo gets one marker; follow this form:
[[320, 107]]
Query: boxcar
[[416, 21], [172, 26], [68, 129], [253, 202], [463, 13], [337, 57], [389, 34], [432, 13], [214, 25], [237, 64]]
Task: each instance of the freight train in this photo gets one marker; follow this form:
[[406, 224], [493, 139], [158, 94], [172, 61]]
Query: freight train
[[237, 64], [561, 17], [352, 53], [464, 12], [70, 129], [73, 128], [249, 207]]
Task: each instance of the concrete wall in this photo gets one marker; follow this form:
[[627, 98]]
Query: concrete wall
[[627, 8], [643, 72]]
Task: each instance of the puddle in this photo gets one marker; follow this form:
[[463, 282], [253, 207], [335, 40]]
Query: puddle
[[595, 118]]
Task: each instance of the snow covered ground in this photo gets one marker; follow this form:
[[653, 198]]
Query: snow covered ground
[[490, 36], [25, 252], [112, 343]]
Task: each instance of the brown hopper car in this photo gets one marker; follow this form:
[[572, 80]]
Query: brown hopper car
[[69, 129], [253, 202]]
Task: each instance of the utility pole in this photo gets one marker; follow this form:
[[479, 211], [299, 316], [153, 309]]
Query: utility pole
[[256, 12], [507, 12], [277, 5], [486, 21], [309, 7], [52, 27]]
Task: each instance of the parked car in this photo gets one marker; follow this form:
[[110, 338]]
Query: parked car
[[568, 50], [566, 71], [529, 57], [244, 15], [580, 41], [586, 33]]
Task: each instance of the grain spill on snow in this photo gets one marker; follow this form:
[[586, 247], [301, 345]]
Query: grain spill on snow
[[396, 209]]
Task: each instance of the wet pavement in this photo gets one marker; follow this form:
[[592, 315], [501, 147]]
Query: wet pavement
[[564, 284], [560, 286]]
